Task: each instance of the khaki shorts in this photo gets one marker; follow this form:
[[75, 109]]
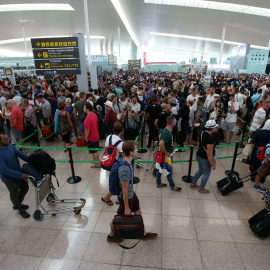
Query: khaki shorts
[[264, 170], [229, 126]]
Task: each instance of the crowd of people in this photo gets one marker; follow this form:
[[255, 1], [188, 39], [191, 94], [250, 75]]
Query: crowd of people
[[177, 108]]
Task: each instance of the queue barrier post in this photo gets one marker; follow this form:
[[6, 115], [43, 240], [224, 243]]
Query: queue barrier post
[[241, 145], [231, 171], [38, 142], [188, 178], [142, 133], [136, 180], [73, 179]]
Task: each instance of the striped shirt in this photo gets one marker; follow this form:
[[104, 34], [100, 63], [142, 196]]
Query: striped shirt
[[125, 173]]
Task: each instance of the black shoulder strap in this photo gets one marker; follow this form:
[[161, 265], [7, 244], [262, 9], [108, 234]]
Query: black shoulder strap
[[117, 143], [110, 140]]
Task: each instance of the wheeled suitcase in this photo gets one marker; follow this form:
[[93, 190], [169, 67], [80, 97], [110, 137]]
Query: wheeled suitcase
[[260, 223], [231, 183]]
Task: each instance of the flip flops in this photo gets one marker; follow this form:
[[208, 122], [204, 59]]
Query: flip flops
[[110, 203], [162, 185]]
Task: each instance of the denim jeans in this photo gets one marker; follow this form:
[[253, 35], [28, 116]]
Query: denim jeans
[[204, 171], [169, 178], [7, 130]]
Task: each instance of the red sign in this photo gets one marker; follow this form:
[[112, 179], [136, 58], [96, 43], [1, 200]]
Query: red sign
[[144, 58]]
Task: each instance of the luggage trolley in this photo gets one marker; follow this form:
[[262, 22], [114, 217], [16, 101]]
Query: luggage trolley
[[45, 189]]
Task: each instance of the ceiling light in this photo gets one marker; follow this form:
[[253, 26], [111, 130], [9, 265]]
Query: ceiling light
[[16, 40], [125, 21], [184, 49], [251, 10], [35, 7], [206, 39]]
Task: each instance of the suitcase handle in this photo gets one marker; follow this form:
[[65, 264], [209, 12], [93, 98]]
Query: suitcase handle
[[254, 173], [124, 247]]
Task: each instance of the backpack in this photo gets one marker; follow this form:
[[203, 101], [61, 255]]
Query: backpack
[[46, 132], [42, 161], [108, 157], [114, 181], [261, 152]]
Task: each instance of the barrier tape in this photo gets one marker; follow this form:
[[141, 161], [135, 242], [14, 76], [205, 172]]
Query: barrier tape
[[241, 119]]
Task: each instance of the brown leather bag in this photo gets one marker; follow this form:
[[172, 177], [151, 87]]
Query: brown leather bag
[[128, 227]]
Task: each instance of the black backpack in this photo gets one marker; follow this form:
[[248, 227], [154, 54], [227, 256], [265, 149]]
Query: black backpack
[[42, 161]]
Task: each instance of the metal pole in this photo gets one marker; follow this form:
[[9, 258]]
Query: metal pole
[[222, 45], [241, 145], [230, 172], [136, 180], [38, 142], [188, 178], [73, 179], [142, 133], [87, 32]]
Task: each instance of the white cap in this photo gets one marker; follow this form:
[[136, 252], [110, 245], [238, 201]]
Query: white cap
[[108, 103]]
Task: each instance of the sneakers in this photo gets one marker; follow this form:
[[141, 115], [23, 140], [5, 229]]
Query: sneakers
[[149, 236], [112, 239], [24, 206], [261, 189], [24, 214], [181, 151]]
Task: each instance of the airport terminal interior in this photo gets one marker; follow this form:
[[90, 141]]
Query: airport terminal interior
[[153, 51]]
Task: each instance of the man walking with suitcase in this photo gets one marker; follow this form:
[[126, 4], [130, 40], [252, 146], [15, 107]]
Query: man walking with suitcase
[[128, 200]]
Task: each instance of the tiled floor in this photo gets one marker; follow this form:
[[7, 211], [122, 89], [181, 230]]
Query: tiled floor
[[196, 231]]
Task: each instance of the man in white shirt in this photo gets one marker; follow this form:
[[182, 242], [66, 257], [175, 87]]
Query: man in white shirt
[[240, 98], [135, 106], [117, 128], [3, 100], [194, 97], [259, 116], [210, 97], [17, 99], [230, 120], [117, 107]]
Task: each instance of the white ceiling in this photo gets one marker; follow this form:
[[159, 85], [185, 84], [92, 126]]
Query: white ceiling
[[143, 18]]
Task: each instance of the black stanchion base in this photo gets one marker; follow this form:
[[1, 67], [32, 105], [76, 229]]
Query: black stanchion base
[[246, 161], [187, 179], [136, 180], [228, 172], [142, 151], [74, 180]]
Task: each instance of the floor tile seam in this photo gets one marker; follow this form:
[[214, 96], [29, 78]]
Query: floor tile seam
[[194, 223]]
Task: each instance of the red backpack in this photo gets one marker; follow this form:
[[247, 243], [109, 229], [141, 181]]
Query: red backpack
[[109, 155]]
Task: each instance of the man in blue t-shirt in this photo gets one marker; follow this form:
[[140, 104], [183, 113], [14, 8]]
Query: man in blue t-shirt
[[11, 175], [264, 170], [128, 200]]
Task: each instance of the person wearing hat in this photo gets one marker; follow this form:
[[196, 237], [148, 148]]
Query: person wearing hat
[[205, 156], [110, 117]]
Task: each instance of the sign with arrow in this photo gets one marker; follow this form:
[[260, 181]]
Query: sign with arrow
[[61, 42], [56, 53], [56, 64]]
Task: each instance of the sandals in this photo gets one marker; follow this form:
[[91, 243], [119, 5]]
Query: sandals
[[110, 203], [176, 189], [193, 186], [204, 191], [95, 167], [162, 185], [112, 239], [149, 236]]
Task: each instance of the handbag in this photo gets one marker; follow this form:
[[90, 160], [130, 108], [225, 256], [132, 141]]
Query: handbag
[[128, 227], [247, 151], [159, 156]]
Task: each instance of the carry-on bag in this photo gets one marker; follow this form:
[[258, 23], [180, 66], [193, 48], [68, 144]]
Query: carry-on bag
[[231, 183], [128, 227], [260, 223]]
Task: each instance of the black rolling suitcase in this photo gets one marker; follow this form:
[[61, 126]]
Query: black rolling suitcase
[[231, 183], [260, 223]]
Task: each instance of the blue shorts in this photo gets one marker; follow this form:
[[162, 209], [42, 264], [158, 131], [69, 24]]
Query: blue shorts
[[81, 125], [17, 134]]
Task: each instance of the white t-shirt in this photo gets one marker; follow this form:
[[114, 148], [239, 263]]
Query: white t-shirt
[[17, 100], [259, 115], [123, 103], [231, 117], [264, 88], [195, 99], [3, 100], [209, 100], [136, 108], [114, 140], [240, 99]]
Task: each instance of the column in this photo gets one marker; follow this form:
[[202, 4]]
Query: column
[[222, 45]]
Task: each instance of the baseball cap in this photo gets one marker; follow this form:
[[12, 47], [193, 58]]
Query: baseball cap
[[108, 103]]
